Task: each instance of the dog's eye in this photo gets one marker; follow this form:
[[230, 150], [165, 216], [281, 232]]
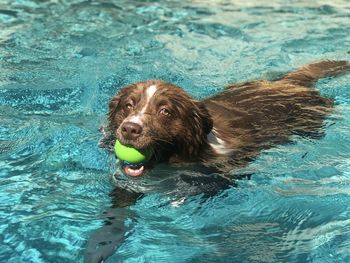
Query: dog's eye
[[164, 112], [128, 106]]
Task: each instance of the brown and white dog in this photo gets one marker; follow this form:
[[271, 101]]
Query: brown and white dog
[[223, 131]]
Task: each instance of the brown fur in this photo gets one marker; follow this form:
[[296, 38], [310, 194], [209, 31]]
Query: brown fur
[[248, 117]]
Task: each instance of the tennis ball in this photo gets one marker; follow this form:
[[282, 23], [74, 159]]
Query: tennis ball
[[130, 154]]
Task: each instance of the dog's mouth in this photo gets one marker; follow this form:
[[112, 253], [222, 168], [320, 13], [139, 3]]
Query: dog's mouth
[[129, 167], [134, 170], [137, 170]]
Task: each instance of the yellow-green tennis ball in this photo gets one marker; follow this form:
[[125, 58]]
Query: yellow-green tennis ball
[[130, 154]]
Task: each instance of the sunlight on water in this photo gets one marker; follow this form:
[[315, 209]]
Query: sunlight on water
[[60, 61]]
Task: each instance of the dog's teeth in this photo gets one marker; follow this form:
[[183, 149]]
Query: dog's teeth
[[134, 172]]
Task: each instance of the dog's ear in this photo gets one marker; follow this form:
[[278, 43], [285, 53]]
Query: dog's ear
[[113, 105], [205, 117]]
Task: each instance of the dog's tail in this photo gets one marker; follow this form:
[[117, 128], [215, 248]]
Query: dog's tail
[[310, 73]]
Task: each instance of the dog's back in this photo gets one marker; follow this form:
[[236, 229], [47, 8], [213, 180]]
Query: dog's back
[[256, 115]]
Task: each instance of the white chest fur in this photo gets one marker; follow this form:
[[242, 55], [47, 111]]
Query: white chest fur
[[218, 145]]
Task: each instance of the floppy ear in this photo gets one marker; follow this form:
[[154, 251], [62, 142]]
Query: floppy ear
[[108, 130], [205, 117], [113, 105]]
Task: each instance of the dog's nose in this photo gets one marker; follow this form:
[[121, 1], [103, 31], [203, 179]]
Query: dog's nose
[[131, 130]]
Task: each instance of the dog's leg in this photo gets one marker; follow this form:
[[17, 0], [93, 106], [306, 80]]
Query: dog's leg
[[105, 240]]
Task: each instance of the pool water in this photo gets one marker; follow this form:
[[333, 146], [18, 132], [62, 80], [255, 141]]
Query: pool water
[[60, 61]]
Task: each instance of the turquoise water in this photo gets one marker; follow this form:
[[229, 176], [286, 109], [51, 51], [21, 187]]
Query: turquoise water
[[60, 61]]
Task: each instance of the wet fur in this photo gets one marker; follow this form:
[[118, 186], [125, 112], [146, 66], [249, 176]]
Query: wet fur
[[247, 117]]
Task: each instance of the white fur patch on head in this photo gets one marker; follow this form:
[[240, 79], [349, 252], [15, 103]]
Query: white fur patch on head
[[135, 119], [218, 145], [151, 90], [138, 118]]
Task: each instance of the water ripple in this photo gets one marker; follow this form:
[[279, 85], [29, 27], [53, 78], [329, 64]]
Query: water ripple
[[62, 60]]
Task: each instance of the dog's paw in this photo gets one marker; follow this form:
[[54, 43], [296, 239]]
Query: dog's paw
[[102, 251]]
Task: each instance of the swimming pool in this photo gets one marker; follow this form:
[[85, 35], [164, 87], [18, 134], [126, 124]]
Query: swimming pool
[[60, 61]]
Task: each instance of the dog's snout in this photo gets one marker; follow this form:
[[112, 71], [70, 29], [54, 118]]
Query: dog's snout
[[131, 130]]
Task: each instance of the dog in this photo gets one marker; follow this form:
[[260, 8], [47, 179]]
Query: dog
[[229, 128], [220, 133]]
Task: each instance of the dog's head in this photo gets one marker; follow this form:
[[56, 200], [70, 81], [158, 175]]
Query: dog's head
[[161, 117]]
